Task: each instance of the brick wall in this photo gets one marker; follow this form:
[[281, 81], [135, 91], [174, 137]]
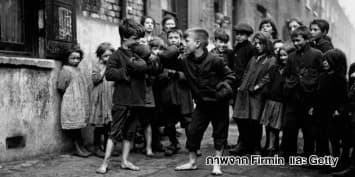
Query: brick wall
[[106, 10], [135, 9]]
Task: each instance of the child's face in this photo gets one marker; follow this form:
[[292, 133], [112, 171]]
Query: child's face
[[220, 45], [169, 24], [325, 65], [277, 47], [105, 56], [191, 43], [299, 42], [266, 27], [149, 25], [293, 25], [283, 56], [156, 50], [74, 59], [131, 41], [259, 45], [315, 31], [174, 39], [240, 37]]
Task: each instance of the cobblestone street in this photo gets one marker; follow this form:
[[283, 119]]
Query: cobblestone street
[[66, 165]]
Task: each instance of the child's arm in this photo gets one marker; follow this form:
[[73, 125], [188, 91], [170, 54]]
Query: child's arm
[[225, 72], [115, 71], [97, 75], [63, 80], [266, 79]]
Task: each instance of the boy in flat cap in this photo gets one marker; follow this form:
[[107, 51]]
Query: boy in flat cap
[[243, 52]]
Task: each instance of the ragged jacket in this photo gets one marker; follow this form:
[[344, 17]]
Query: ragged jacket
[[204, 73], [130, 89], [302, 73]]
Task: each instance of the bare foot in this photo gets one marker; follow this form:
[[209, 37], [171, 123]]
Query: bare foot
[[186, 166], [217, 170], [149, 153], [129, 166], [102, 169]]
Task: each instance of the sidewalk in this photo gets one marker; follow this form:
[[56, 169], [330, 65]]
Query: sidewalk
[[67, 165]]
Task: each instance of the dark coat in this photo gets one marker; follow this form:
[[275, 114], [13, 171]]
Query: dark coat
[[243, 52], [130, 87], [302, 74], [171, 85], [275, 88], [249, 103], [227, 56], [331, 95], [323, 44], [204, 74]]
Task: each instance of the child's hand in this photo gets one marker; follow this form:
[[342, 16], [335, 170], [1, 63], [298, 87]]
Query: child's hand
[[136, 65], [256, 87], [310, 111]]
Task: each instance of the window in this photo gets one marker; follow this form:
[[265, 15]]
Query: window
[[219, 6], [11, 25], [60, 27], [19, 27]]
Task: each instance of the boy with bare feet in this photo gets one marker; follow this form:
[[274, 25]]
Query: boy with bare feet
[[210, 80]]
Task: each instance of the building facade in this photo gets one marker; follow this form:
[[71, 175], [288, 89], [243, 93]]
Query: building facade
[[341, 30]]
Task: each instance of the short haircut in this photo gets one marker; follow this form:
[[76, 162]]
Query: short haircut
[[293, 19], [74, 48], [174, 30], [221, 35], [272, 23], [303, 31], [199, 34], [157, 42], [168, 17], [277, 41], [102, 48], [265, 39], [147, 17], [322, 24], [129, 27]]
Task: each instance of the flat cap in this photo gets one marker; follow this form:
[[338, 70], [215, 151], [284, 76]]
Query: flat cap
[[245, 28]]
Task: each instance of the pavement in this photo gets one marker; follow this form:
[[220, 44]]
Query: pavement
[[67, 165]]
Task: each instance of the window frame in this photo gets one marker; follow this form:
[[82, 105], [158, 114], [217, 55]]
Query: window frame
[[29, 32]]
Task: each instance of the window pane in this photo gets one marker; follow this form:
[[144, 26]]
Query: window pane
[[11, 26]]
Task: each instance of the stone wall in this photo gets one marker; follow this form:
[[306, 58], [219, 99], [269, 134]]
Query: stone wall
[[29, 108]]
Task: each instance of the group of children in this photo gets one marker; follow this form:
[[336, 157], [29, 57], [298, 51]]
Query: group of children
[[155, 81]]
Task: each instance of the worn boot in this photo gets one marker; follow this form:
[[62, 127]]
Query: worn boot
[[80, 150], [98, 152]]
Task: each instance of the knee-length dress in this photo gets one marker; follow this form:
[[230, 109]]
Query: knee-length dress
[[275, 99], [101, 98], [75, 106]]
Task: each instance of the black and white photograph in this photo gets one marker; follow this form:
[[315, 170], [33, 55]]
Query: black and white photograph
[[177, 88]]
